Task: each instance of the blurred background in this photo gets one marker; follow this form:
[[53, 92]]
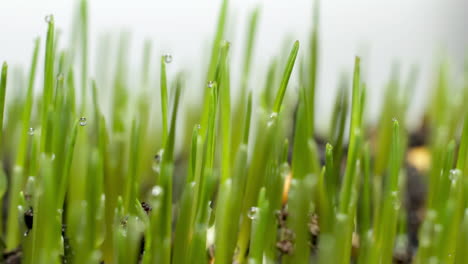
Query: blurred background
[[384, 33]]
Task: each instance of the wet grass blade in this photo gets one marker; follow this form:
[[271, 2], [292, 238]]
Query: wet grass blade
[[387, 227], [163, 100], [49, 78], [463, 150], [3, 83], [21, 156], [224, 222], [184, 227], [84, 28], [213, 64], [259, 218], [299, 213]]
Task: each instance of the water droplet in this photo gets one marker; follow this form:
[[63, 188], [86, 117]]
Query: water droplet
[[167, 58], [31, 131], [341, 217], [198, 126], [210, 84], [157, 168], [49, 18], [83, 121], [60, 77], [252, 214], [272, 119], [157, 158], [157, 161], [159, 155], [395, 200], [156, 191], [454, 175]]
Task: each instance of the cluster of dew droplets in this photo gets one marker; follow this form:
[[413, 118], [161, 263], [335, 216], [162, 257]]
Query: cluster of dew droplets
[[253, 213], [167, 58], [49, 18], [83, 121], [31, 131], [454, 175], [157, 161], [272, 119], [210, 84], [395, 200]]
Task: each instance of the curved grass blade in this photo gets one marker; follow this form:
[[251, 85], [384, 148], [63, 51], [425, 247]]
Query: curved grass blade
[[286, 76]]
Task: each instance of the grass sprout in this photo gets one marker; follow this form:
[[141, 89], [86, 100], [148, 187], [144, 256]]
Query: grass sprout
[[96, 170]]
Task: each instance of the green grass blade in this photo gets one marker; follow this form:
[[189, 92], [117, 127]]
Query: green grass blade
[[354, 139], [388, 226], [184, 227], [21, 156], [223, 222], [259, 216], [48, 82], [225, 113], [3, 83], [164, 100], [248, 115], [84, 52], [298, 218], [313, 66], [463, 150], [286, 76]]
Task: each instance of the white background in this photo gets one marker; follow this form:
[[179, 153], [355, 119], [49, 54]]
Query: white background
[[408, 32]]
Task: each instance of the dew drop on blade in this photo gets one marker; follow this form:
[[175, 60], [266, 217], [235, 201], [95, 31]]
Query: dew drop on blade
[[252, 214], [31, 131], [156, 191], [49, 18], [157, 161], [454, 175], [83, 121], [168, 58], [272, 119], [210, 84]]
